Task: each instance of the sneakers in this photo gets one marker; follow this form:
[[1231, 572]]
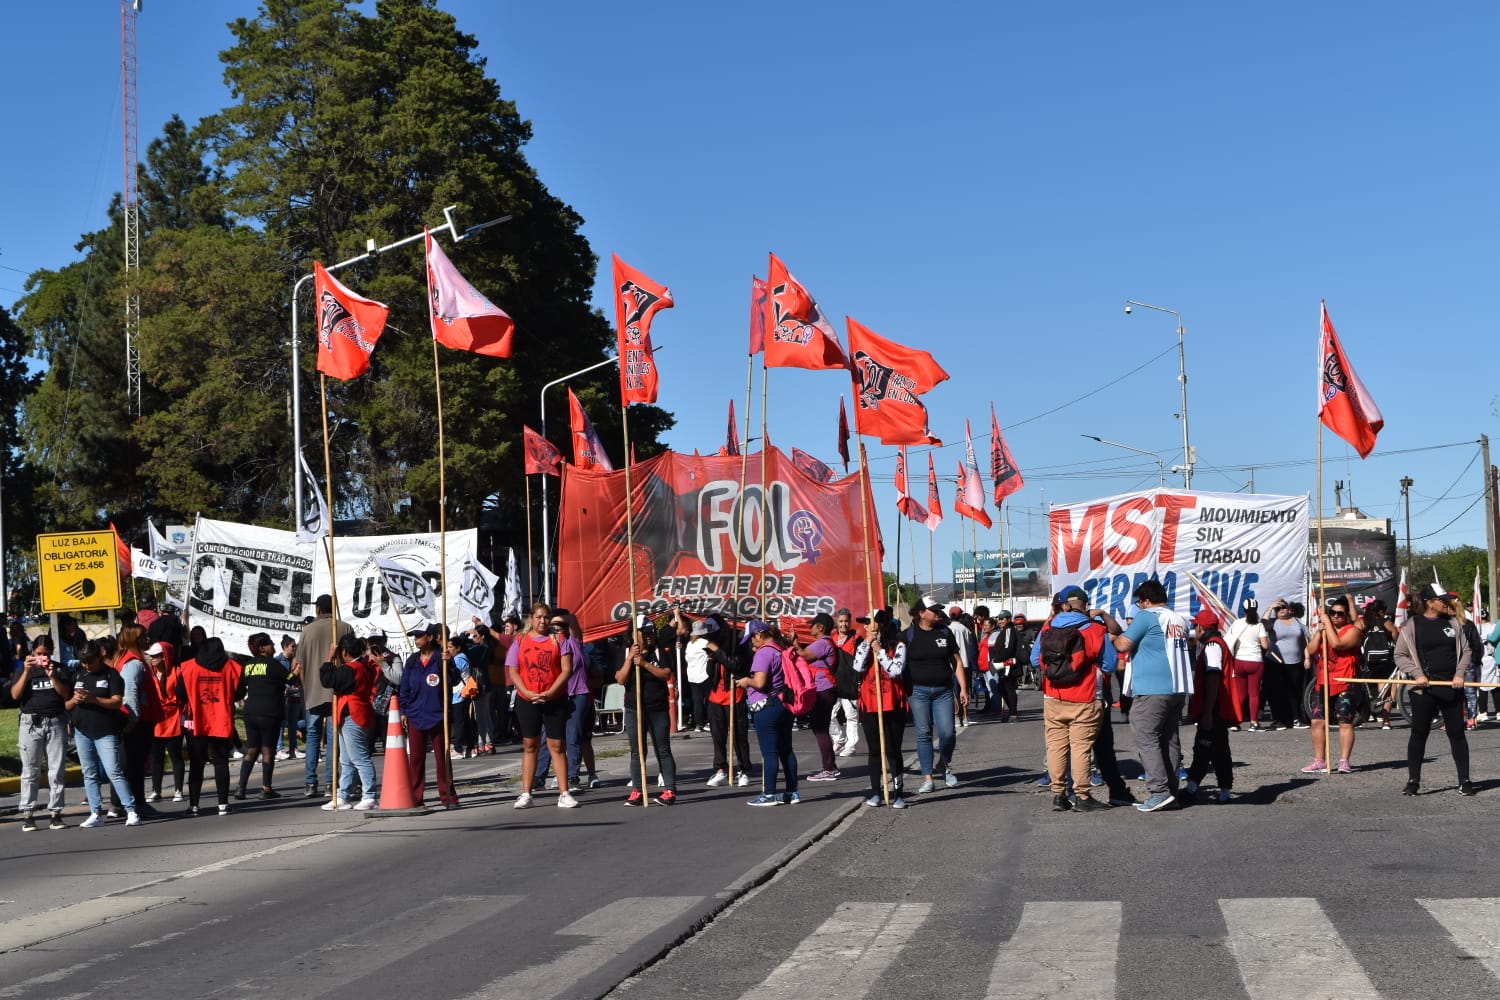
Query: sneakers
[[1344, 767], [237, 755], [1385, 725], [28, 825], [1044, 782], [666, 798], [929, 786], [523, 801], [1095, 779], [113, 813], [152, 796], [239, 794], [1254, 727], [1191, 788], [132, 818], [873, 801], [177, 795], [743, 780], [1318, 766], [1060, 804], [283, 755], [765, 800], [299, 755], [1158, 801], [898, 803], [791, 799], [1411, 788], [93, 820], [57, 822], [823, 776], [1223, 796], [192, 811], [566, 801], [720, 778], [311, 791], [1121, 798], [1087, 803], [951, 780], [633, 800], [364, 805], [1464, 788], [551, 783], [1299, 724], [594, 781], [333, 805], [269, 793], [457, 755], [846, 752], [224, 810]]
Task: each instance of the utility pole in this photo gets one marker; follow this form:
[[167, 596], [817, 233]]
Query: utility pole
[[130, 206], [1406, 484], [1489, 521]]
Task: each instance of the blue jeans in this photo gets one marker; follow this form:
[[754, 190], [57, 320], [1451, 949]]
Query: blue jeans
[[990, 681], [580, 730], [932, 706], [100, 757], [354, 744], [773, 728], [318, 745]]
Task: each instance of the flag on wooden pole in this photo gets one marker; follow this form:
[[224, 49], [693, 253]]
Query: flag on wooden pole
[[798, 335], [889, 380], [462, 318], [905, 502], [348, 326], [588, 450], [637, 300], [1344, 404], [1003, 472]]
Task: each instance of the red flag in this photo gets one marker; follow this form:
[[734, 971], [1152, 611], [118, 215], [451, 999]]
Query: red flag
[[1344, 405], [122, 552], [904, 501], [934, 502], [888, 379], [588, 452], [1211, 602], [732, 435], [1003, 471], [811, 467], [800, 335], [348, 326], [542, 456], [970, 501], [637, 299], [461, 317], [758, 296], [843, 435]]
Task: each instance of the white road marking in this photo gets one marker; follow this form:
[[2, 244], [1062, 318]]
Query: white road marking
[[1474, 924], [218, 866], [1059, 949], [846, 955], [613, 928], [23, 932], [1289, 948]]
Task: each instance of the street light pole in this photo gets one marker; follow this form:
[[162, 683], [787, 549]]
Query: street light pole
[[546, 533], [1187, 448], [1161, 471], [1406, 484]]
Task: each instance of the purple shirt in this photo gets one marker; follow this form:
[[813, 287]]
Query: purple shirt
[[578, 679], [820, 656], [767, 661]]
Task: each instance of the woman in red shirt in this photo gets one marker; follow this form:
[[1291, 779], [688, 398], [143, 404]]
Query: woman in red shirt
[[1336, 645], [538, 668]]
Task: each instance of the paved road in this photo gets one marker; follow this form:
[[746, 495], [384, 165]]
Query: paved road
[[1303, 887]]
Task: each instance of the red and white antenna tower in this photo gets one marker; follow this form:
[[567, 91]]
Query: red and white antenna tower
[[129, 10]]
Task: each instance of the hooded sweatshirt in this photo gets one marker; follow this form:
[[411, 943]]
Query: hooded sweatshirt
[[206, 686]]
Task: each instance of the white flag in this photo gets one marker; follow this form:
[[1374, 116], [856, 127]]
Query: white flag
[[314, 508], [223, 579], [160, 547], [512, 588], [476, 594], [409, 590], [146, 567]]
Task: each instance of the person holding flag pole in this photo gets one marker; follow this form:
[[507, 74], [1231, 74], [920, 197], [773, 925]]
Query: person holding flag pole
[[888, 380]]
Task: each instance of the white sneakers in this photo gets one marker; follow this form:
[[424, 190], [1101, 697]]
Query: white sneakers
[[364, 805], [132, 818], [93, 821], [523, 800], [743, 780], [336, 805], [566, 801], [719, 778]]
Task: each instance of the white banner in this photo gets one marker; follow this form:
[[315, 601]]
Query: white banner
[[146, 568], [273, 580], [1241, 545]]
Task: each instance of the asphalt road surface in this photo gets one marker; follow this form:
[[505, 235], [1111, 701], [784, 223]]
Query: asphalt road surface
[[1300, 887]]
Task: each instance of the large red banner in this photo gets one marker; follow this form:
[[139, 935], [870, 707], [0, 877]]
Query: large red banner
[[701, 539]]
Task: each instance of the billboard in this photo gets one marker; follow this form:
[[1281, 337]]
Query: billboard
[[1015, 571], [1357, 562]]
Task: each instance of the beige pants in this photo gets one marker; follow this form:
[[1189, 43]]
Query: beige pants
[[1070, 725]]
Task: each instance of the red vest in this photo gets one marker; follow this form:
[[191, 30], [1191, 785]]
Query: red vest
[[892, 691], [1227, 705]]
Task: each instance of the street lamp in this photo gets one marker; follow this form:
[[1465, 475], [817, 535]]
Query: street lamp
[[546, 534], [1161, 472], [1187, 449]]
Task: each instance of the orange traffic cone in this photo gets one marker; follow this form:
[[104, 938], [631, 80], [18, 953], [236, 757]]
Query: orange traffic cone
[[395, 778]]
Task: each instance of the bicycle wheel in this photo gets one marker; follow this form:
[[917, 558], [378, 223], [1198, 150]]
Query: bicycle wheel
[[1405, 704], [1311, 697]]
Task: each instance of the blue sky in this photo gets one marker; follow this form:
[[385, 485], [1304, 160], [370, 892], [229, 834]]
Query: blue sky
[[988, 181]]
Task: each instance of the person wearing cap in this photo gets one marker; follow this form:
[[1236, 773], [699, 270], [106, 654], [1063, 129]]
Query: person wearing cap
[[167, 738], [1071, 708], [845, 640], [707, 636], [641, 661], [882, 693], [933, 665], [318, 637], [694, 668], [1334, 646], [426, 684], [1435, 647], [263, 690], [968, 652], [1247, 640], [1161, 678], [822, 657], [768, 713], [1003, 649], [1212, 707], [41, 689]]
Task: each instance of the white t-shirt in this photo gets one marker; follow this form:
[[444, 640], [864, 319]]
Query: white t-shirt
[[696, 657], [1244, 641]]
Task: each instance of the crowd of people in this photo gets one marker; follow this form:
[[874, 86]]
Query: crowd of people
[[131, 704]]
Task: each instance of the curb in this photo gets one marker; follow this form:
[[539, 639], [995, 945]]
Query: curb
[[73, 779]]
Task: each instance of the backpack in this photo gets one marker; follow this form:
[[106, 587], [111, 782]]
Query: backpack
[[1065, 659], [1377, 654], [800, 692], [844, 677]]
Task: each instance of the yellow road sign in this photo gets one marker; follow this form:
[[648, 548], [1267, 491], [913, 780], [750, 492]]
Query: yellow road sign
[[78, 571]]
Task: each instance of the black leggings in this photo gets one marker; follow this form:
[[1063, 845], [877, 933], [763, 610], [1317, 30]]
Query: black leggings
[[895, 732], [166, 746], [818, 720], [200, 750], [1425, 707], [260, 742]]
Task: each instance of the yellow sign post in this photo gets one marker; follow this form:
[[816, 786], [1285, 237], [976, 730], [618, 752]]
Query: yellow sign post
[[78, 571]]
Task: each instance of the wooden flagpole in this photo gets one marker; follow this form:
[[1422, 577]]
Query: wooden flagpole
[[640, 719], [1322, 619], [872, 661], [333, 589], [437, 385], [530, 569], [739, 541]]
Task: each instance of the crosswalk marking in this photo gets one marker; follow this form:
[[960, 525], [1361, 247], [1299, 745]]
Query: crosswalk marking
[[846, 954], [613, 928], [1473, 923], [1289, 948], [23, 932], [1059, 949]]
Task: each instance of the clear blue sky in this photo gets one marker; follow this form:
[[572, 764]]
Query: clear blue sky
[[988, 181]]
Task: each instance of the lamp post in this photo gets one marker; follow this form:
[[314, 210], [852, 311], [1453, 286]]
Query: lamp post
[[1161, 471], [546, 534], [1187, 448], [1406, 485]]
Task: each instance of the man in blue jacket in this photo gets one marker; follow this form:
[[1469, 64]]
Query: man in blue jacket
[[426, 686]]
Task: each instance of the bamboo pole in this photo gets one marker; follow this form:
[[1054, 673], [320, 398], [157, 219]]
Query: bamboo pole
[[873, 660], [447, 761], [640, 719], [1325, 653], [1429, 682], [530, 567], [333, 588]]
